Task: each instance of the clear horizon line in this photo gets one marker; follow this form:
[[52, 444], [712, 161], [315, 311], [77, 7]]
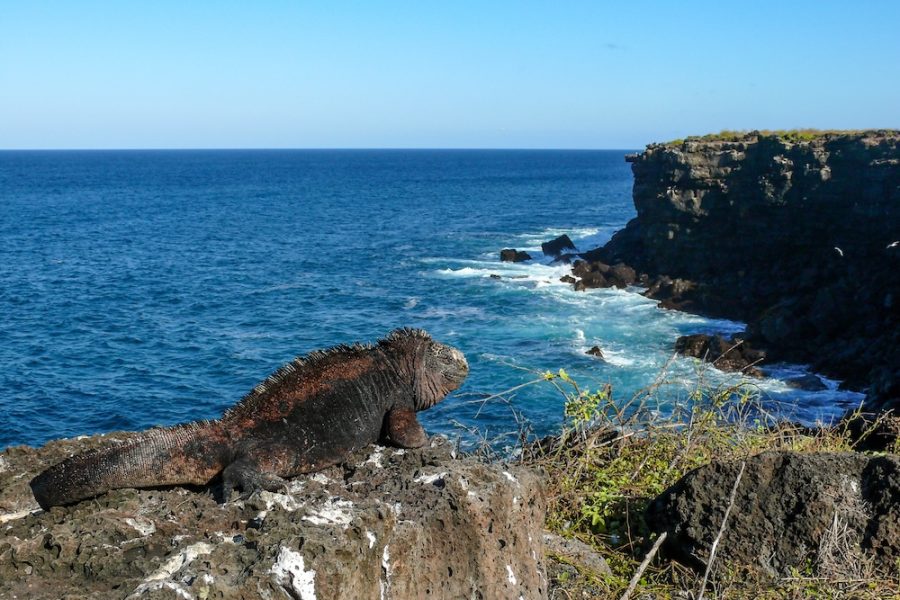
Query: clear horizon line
[[310, 148]]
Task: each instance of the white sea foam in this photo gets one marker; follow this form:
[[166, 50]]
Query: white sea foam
[[636, 337], [582, 237], [617, 358]]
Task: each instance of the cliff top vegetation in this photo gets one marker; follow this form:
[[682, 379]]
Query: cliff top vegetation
[[787, 135], [612, 459]]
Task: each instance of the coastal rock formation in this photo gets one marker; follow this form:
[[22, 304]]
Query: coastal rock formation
[[837, 515], [387, 524], [726, 354], [793, 234], [595, 351], [808, 382], [597, 274], [557, 246], [513, 255]]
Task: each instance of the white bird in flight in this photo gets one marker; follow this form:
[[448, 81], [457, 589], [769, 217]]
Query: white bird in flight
[[839, 251], [892, 245]]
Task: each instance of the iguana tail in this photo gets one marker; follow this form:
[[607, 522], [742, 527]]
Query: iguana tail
[[184, 454]]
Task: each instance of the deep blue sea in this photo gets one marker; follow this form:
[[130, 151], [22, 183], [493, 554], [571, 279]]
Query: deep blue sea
[[143, 288]]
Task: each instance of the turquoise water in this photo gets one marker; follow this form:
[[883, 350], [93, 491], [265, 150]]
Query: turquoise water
[[145, 288]]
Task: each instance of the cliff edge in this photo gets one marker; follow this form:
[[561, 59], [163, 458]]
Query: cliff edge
[[797, 235], [387, 524]]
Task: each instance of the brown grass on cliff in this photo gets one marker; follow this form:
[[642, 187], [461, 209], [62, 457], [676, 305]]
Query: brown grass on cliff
[[611, 459]]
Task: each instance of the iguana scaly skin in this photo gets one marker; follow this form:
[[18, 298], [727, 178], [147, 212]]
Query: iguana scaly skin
[[308, 415]]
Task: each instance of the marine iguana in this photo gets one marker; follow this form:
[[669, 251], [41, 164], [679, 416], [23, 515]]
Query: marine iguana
[[307, 415]]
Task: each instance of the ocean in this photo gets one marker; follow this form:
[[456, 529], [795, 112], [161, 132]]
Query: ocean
[[142, 288]]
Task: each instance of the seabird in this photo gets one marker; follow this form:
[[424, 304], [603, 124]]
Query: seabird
[[892, 245], [839, 251]]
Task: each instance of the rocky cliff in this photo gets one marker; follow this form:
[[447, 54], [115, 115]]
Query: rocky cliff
[[833, 514], [796, 235], [388, 524]]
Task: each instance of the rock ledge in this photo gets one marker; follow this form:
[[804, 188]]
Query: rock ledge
[[388, 524]]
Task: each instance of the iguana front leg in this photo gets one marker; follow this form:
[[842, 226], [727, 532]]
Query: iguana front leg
[[402, 429]]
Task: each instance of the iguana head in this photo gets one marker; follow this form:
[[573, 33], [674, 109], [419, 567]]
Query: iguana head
[[438, 369]]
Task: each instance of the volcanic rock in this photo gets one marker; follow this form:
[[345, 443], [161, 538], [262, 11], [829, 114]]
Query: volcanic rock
[[513, 255], [388, 524], [557, 246], [750, 225], [595, 351], [836, 514], [621, 275], [725, 354], [808, 382]]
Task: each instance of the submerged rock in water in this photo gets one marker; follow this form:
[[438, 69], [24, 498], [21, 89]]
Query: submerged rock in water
[[836, 514], [808, 382], [388, 524], [595, 351], [513, 255], [557, 246], [726, 354]]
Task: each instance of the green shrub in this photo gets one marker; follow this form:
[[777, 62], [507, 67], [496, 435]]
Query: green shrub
[[786, 135], [611, 459]]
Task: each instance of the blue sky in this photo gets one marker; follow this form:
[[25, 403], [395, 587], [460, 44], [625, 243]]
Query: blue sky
[[303, 74]]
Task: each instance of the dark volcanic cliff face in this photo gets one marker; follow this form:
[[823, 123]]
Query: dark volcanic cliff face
[[793, 237]]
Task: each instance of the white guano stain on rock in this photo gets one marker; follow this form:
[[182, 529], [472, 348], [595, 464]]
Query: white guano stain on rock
[[284, 501], [142, 525], [509, 476], [375, 457], [510, 576], [158, 579], [291, 573], [333, 512], [426, 479], [321, 478], [384, 585], [20, 514], [372, 539], [177, 588], [185, 557]]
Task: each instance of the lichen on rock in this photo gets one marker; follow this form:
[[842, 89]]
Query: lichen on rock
[[386, 524]]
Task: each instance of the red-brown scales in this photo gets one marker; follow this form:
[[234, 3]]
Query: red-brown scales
[[309, 414]]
